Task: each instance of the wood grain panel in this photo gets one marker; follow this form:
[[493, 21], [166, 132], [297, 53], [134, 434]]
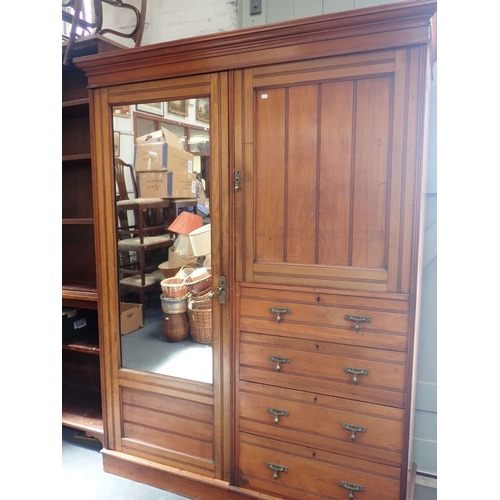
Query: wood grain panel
[[369, 63], [413, 202], [347, 278], [335, 174], [149, 382], [270, 175], [176, 441], [301, 176], [237, 138], [322, 183], [372, 127], [244, 200], [248, 175], [163, 403], [334, 69], [222, 219], [167, 422], [175, 88], [385, 302], [189, 464], [398, 160]]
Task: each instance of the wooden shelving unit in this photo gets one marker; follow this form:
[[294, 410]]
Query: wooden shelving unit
[[81, 401]]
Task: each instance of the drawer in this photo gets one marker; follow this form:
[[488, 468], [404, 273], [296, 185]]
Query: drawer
[[355, 320], [311, 474], [357, 373], [324, 422]]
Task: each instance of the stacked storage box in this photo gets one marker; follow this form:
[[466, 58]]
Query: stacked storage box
[[163, 168]]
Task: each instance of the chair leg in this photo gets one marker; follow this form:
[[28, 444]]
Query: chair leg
[[72, 36]]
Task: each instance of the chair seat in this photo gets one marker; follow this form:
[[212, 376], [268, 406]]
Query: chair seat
[[140, 202], [149, 242], [149, 279]]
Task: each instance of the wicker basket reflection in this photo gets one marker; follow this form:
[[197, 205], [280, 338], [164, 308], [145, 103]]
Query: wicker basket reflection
[[200, 321], [173, 288], [201, 301], [175, 327], [174, 306], [200, 287]]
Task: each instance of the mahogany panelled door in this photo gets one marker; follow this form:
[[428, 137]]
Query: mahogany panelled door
[[318, 148]]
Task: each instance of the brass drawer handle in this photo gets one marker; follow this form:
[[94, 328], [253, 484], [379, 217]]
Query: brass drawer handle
[[353, 429], [276, 469], [277, 414], [355, 372], [357, 320], [278, 361], [351, 487], [279, 311]]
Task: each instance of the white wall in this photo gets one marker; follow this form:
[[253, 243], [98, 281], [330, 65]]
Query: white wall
[[284, 10], [175, 19]]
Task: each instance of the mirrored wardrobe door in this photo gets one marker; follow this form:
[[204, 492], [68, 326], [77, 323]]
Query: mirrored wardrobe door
[[162, 177], [165, 237]]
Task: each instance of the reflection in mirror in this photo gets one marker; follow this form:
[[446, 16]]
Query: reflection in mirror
[[162, 174]]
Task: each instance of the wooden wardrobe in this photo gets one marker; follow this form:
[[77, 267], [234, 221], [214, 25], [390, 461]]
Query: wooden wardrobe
[[318, 133]]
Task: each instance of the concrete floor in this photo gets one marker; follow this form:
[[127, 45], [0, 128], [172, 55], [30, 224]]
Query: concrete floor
[[84, 479]]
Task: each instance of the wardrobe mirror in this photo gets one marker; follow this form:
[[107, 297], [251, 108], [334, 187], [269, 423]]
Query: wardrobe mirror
[[162, 180]]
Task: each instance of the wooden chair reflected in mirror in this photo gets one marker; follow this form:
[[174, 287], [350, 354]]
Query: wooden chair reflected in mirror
[[143, 239], [125, 180]]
